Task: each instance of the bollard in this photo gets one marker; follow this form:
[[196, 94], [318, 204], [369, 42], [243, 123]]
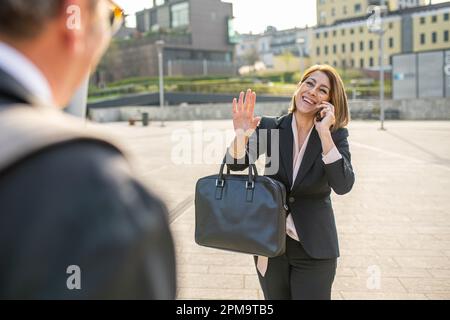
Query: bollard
[[145, 119]]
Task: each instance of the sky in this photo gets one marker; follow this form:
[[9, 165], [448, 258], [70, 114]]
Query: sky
[[255, 15]]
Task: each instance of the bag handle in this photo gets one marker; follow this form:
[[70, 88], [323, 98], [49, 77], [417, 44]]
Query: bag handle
[[252, 174]]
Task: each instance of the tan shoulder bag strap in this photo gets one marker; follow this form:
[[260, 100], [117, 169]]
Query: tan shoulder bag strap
[[25, 130]]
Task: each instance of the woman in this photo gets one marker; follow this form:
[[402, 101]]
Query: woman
[[314, 159]]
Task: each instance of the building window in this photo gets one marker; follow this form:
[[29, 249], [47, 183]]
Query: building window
[[180, 14], [434, 19], [153, 17], [352, 47], [361, 46], [334, 33], [325, 34], [446, 16], [344, 10], [323, 17], [371, 45], [334, 48], [317, 35], [343, 32], [352, 63], [434, 37], [357, 8], [326, 50], [391, 25], [333, 12], [371, 62], [422, 20], [334, 64], [361, 30], [361, 63], [391, 42], [318, 51], [352, 31], [343, 48], [422, 38], [446, 36]]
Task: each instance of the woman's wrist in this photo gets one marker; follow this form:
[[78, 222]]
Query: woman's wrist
[[326, 140], [238, 146], [324, 132], [240, 133]]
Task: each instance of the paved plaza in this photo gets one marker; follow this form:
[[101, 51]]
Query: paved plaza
[[394, 227]]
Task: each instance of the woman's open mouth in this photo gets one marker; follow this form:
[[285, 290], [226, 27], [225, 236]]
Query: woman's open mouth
[[308, 101]]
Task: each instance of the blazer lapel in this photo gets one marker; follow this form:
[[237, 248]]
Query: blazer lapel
[[12, 92], [313, 148], [286, 145]]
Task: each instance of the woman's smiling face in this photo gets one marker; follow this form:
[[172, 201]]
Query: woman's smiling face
[[312, 92]]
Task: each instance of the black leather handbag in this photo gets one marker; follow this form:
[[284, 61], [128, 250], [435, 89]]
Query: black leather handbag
[[241, 213]]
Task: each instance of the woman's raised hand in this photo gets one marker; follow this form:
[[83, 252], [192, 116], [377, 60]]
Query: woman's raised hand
[[243, 114]]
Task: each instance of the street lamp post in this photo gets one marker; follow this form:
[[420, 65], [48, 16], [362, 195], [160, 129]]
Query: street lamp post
[[377, 28], [160, 47], [300, 42], [382, 79], [381, 32]]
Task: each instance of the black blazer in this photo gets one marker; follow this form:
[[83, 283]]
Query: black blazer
[[309, 200], [73, 204]]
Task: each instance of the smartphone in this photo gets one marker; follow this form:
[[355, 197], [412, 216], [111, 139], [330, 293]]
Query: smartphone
[[318, 116]]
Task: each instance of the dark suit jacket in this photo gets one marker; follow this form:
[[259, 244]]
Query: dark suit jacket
[[72, 204], [309, 200]]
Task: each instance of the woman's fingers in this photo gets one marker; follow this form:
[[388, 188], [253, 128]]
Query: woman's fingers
[[235, 106], [241, 102], [246, 102], [248, 99], [251, 108]]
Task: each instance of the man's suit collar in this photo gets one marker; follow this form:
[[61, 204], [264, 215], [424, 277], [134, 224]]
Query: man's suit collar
[[12, 92]]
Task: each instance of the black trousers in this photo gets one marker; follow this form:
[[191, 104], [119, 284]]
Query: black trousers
[[297, 276]]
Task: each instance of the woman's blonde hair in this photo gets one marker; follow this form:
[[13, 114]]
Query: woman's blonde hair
[[338, 96]]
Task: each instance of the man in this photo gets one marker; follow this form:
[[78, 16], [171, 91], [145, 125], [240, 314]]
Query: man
[[74, 223]]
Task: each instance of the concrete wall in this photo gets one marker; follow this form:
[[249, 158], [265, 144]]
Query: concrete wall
[[208, 24], [417, 109], [413, 109]]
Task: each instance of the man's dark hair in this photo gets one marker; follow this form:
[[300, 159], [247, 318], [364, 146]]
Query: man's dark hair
[[25, 19]]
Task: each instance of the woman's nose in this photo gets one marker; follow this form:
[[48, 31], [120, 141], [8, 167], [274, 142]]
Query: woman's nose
[[313, 92]]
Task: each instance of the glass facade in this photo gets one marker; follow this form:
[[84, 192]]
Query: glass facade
[[179, 15]]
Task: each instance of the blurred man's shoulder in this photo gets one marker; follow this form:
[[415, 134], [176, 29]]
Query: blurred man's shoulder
[[80, 169]]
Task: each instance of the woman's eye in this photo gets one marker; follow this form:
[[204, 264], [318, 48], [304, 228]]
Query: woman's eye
[[323, 91], [309, 83]]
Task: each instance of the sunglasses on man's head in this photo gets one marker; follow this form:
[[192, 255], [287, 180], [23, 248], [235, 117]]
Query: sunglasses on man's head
[[116, 17]]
